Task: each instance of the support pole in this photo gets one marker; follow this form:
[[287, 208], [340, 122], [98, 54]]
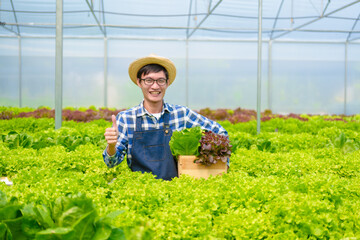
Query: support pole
[[20, 73], [187, 74], [105, 72], [59, 64], [187, 57], [258, 107], [345, 77], [270, 76]]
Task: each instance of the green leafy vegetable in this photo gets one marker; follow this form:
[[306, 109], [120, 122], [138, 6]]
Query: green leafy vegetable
[[69, 217], [344, 143], [304, 185], [186, 142]]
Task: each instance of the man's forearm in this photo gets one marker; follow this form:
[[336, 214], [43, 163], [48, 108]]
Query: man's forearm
[[111, 150]]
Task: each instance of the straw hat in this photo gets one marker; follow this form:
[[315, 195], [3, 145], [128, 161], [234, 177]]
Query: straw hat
[[136, 65]]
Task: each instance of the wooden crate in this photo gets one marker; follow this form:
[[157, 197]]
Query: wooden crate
[[187, 166]]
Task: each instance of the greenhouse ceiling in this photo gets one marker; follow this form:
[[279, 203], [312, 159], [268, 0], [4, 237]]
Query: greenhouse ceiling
[[282, 20]]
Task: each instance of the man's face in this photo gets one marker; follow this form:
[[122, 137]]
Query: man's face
[[153, 93]]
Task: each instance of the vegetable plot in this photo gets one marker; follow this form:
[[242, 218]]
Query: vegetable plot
[[296, 180], [68, 217]]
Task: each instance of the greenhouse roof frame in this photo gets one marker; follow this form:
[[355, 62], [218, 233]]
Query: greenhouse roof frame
[[223, 20], [203, 20]]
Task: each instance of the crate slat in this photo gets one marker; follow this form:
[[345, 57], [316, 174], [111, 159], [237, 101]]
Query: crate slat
[[187, 166]]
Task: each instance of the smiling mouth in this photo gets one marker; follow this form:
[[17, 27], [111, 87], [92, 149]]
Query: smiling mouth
[[155, 93]]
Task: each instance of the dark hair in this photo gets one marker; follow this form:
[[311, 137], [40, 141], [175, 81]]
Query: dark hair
[[155, 68]]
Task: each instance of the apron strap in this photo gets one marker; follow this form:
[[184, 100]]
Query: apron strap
[[138, 121], [166, 120]]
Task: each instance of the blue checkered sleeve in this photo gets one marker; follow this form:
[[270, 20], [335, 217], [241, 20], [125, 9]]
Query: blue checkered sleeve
[[195, 119]]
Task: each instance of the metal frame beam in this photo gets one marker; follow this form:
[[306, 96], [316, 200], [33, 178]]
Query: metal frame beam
[[103, 15], [187, 58], [317, 19], [10, 30], [20, 55], [276, 18], [96, 19], [188, 21], [203, 20], [166, 15], [105, 58], [220, 29], [209, 7], [13, 8], [354, 40], [59, 64], [345, 77], [259, 59], [356, 21], [20, 73], [269, 75], [327, 5], [187, 73], [190, 40], [105, 72]]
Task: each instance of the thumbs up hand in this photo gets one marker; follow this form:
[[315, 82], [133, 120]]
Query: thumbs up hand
[[111, 136]]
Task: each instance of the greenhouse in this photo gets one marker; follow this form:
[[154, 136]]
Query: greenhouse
[[266, 107], [310, 53]]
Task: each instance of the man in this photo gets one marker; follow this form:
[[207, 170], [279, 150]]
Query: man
[[143, 132]]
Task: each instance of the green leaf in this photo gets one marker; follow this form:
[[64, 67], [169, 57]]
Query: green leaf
[[12, 133], [15, 142], [25, 140], [31, 226], [318, 232], [15, 226], [56, 234], [102, 231], [58, 208], [117, 234], [342, 139], [186, 142], [3, 199], [68, 209], [114, 214], [103, 227], [10, 212], [5, 233], [40, 214], [84, 227], [70, 216]]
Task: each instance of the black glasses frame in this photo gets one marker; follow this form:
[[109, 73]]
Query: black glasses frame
[[153, 80]]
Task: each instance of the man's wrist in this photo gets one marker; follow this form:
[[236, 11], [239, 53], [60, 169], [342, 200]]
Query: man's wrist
[[110, 151]]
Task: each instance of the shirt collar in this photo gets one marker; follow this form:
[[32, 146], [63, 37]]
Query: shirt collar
[[142, 111]]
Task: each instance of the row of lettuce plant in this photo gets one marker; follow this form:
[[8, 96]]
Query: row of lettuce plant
[[25, 133], [92, 113], [297, 179], [299, 194]]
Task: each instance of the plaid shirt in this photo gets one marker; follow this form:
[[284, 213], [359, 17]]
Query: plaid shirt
[[180, 118]]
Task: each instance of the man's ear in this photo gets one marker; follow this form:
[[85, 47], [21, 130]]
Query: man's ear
[[138, 82]]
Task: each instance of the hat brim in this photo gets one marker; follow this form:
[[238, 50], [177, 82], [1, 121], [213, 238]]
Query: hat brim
[[152, 59]]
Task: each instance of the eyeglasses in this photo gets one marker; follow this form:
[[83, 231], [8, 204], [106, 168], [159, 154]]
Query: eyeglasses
[[150, 81]]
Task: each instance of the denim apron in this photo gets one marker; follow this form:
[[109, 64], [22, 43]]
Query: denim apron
[[151, 151]]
